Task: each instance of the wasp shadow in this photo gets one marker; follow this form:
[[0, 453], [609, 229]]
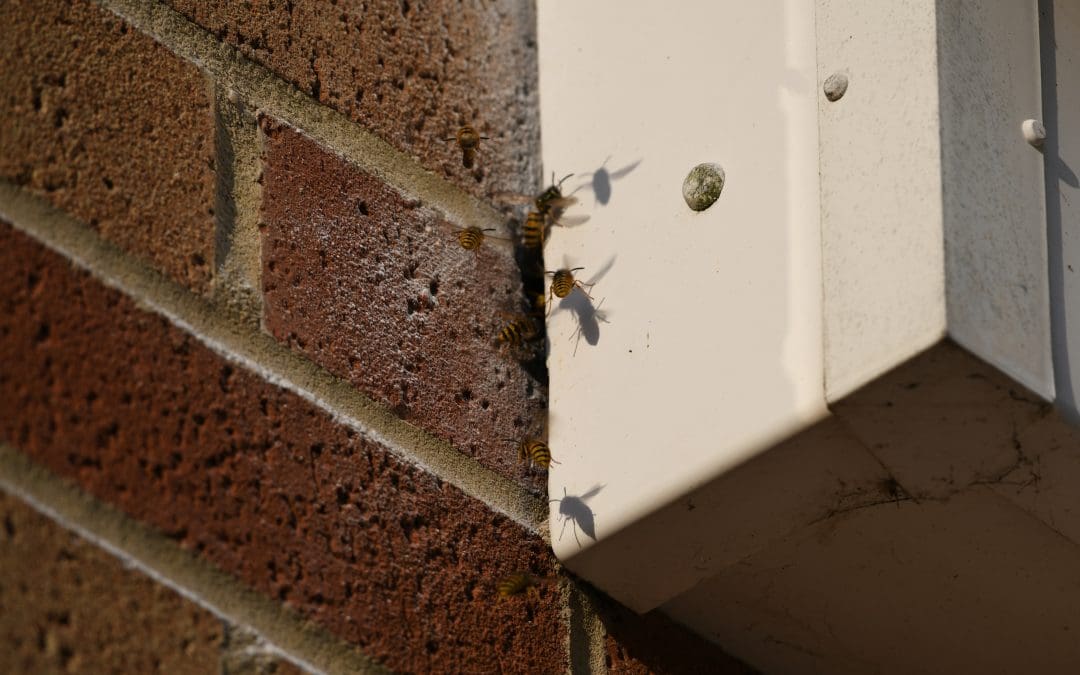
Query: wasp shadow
[[1062, 171], [602, 179], [573, 509], [587, 315]]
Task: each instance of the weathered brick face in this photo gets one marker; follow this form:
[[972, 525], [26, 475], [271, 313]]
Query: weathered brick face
[[412, 72], [259, 481], [377, 289], [112, 127], [67, 607]]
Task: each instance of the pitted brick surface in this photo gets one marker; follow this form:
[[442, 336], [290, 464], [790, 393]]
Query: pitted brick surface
[[112, 127], [69, 607], [378, 291], [412, 72], [259, 481]]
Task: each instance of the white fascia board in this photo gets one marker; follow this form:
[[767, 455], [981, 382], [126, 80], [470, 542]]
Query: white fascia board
[[706, 344]]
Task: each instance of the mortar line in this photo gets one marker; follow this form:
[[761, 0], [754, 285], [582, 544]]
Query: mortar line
[[260, 353], [586, 632], [237, 264], [262, 90], [284, 633]]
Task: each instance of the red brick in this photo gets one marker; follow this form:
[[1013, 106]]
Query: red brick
[[259, 481], [378, 291], [69, 607], [652, 643], [112, 127], [412, 72]]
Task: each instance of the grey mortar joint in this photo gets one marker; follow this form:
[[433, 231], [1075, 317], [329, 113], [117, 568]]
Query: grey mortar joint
[[237, 257]]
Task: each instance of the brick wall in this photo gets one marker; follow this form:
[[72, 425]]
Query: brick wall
[[254, 417]]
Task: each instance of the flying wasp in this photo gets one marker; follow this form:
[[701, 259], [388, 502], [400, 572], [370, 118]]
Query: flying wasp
[[535, 452], [549, 201], [563, 283], [468, 139], [516, 584], [552, 198]]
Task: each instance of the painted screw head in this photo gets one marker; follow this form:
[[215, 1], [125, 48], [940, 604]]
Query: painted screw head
[[1034, 132], [835, 86]]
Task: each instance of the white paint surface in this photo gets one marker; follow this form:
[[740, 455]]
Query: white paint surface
[[881, 191], [851, 236], [994, 202], [972, 585], [712, 347], [1061, 57]]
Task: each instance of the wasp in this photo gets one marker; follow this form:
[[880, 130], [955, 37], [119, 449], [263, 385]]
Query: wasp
[[517, 331], [516, 584], [539, 303], [468, 139], [552, 198], [549, 201], [563, 283], [472, 237], [532, 232], [535, 452]]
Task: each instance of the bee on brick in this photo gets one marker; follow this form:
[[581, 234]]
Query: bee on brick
[[468, 139], [533, 451], [471, 238], [563, 283], [516, 584]]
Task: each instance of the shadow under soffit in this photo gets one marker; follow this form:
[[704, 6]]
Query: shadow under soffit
[[942, 423]]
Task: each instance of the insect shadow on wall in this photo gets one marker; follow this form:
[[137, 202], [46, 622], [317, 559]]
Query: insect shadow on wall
[[586, 312], [588, 318], [601, 180], [572, 508]]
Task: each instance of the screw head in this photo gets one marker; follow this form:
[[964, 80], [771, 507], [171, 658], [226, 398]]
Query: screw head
[[835, 86], [703, 185], [1034, 132]]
